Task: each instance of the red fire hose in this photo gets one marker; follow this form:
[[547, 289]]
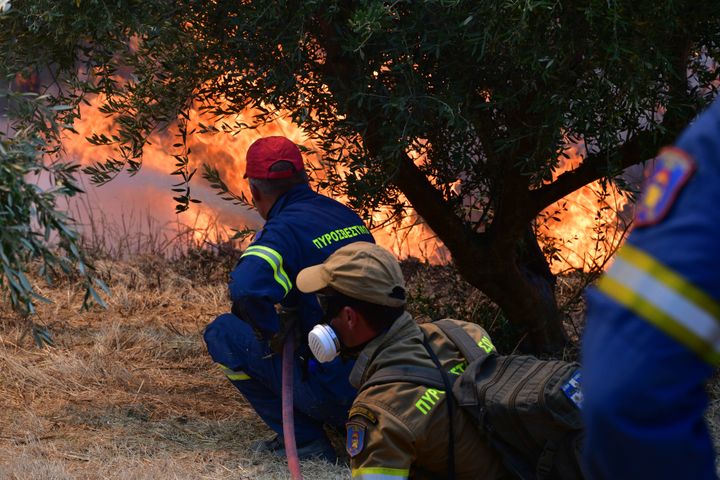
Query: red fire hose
[[287, 407]]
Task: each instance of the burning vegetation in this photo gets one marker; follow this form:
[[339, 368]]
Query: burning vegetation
[[579, 232]]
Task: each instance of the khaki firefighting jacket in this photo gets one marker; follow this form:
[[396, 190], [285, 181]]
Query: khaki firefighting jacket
[[400, 430]]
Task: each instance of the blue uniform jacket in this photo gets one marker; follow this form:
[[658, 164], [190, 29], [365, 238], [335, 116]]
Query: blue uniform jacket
[[653, 330], [303, 228]]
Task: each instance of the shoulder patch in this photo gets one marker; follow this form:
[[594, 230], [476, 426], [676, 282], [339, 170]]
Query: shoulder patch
[[355, 438], [573, 390], [673, 168], [364, 412]]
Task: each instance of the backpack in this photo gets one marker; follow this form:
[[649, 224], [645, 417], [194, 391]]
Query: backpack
[[528, 409]]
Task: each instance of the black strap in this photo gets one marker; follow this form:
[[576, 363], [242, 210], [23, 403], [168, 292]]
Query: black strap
[[462, 340], [546, 460], [450, 401], [430, 377]]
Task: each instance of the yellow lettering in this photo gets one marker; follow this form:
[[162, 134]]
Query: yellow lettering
[[435, 393], [428, 400], [422, 406], [486, 344], [459, 368]]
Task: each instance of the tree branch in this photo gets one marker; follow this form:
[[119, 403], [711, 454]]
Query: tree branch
[[435, 209], [642, 147], [427, 200], [591, 169]]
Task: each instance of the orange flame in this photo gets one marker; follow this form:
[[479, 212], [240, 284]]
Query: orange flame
[[409, 236], [583, 229]]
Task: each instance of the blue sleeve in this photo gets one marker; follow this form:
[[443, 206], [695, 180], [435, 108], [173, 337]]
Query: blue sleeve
[[686, 239], [653, 323], [644, 400], [259, 281]]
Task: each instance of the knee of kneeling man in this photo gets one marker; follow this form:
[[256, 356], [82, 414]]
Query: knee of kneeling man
[[219, 329]]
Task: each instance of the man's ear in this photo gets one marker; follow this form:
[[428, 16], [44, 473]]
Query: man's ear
[[357, 326], [356, 321], [352, 317], [255, 192]]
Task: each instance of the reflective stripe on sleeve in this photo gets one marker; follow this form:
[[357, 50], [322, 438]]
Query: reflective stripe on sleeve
[[380, 473], [276, 263], [665, 299], [233, 374]]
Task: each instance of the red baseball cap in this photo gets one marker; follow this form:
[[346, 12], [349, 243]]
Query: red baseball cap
[[266, 152]]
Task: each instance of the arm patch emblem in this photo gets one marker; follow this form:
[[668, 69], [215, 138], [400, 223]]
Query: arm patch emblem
[[355, 438], [673, 168]]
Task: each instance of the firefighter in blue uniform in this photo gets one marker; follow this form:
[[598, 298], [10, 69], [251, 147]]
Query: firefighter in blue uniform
[[302, 228], [653, 333]]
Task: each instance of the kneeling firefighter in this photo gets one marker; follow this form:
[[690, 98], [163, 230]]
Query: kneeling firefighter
[[506, 417], [302, 228]]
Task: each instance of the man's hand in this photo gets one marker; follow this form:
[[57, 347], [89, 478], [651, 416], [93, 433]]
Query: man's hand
[[289, 322]]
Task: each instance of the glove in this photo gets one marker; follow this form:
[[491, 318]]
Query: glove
[[289, 323]]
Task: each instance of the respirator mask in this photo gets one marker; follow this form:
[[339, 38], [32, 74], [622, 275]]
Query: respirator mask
[[324, 343]]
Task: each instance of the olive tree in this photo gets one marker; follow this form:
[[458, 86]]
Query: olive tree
[[462, 108]]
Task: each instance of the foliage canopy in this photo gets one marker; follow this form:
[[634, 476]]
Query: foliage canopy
[[32, 224], [489, 94]]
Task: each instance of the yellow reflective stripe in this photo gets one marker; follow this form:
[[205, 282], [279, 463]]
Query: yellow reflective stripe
[[666, 300], [278, 259], [380, 473], [660, 319], [670, 278], [234, 374], [275, 261]]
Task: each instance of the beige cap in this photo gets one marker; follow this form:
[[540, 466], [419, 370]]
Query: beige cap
[[360, 270]]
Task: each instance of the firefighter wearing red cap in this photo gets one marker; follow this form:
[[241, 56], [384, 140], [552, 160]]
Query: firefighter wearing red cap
[[653, 331], [302, 228]]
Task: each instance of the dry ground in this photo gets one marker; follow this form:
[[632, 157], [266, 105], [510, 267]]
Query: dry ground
[[130, 392]]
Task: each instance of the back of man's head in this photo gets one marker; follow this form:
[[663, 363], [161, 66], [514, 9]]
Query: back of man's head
[[274, 165]]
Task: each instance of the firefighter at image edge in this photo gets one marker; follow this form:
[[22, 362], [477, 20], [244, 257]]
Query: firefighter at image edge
[[302, 228], [653, 331]]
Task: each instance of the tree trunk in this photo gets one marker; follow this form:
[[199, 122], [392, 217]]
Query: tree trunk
[[524, 288], [507, 266]]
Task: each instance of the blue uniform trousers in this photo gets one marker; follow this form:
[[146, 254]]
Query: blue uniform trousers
[[321, 394]]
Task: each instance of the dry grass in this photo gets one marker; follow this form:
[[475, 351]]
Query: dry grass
[[128, 393]]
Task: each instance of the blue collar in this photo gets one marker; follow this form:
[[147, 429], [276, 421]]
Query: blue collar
[[298, 192]]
